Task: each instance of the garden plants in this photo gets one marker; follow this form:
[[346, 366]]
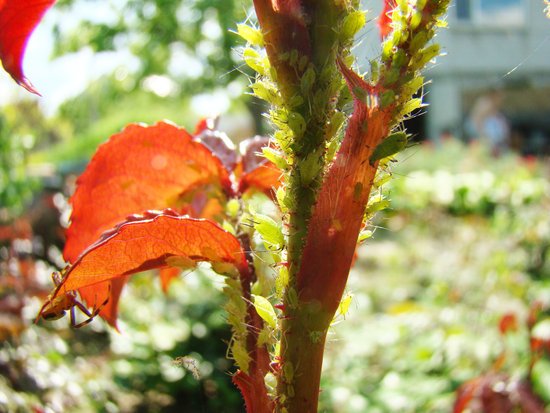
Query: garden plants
[[159, 197]]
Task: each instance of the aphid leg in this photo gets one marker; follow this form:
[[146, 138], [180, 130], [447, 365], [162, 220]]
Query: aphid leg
[[73, 316], [39, 315], [90, 316]]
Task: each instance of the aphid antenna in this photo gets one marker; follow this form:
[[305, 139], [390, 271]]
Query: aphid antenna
[[237, 68]]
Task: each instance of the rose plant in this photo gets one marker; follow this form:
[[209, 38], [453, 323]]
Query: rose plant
[[158, 197]]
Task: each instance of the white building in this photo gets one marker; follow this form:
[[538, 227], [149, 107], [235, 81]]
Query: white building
[[488, 44]]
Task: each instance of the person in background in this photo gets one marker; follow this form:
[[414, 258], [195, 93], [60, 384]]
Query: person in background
[[488, 123]]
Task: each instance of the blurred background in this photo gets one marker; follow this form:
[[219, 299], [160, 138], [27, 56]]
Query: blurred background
[[453, 285]]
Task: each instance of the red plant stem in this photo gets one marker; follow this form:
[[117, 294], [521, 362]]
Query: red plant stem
[[327, 256], [284, 30], [336, 221], [251, 384]]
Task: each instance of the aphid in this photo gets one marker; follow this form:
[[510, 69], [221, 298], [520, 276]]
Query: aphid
[[352, 23], [270, 231], [315, 336], [239, 353], [308, 80], [394, 143], [292, 298], [288, 372], [427, 54], [265, 310], [250, 34], [54, 309]]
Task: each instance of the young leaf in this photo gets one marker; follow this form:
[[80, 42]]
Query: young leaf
[[221, 146], [157, 240], [265, 178], [141, 168], [18, 19], [257, 172]]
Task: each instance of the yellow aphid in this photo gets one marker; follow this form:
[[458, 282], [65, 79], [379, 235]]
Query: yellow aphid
[[265, 310], [343, 307]]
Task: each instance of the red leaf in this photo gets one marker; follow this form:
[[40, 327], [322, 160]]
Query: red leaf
[[528, 400], [384, 21], [466, 393], [265, 178], [497, 393], [257, 172], [251, 150], [508, 322], [18, 19], [167, 275], [96, 294], [141, 168], [221, 146], [157, 240], [205, 124]]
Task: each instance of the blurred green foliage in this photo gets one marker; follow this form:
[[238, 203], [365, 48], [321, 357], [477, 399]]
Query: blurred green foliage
[[103, 109], [429, 290], [22, 128], [462, 244], [190, 39], [97, 369]]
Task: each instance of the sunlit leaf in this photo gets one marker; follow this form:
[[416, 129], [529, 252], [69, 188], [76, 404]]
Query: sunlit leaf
[[221, 146], [156, 240], [107, 292], [167, 275], [18, 19], [256, 172], [265, 178], [141, 168]]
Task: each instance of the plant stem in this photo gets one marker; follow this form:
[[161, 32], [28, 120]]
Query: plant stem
[[302, 348]]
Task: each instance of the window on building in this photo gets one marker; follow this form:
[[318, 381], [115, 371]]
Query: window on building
[[491, 12]]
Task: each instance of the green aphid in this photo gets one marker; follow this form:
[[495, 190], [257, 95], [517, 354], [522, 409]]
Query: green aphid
[[308, 80], [394, 143]]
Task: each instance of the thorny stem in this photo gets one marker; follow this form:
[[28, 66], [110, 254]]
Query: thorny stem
[[327, 205], [256, 398], [304, 341]]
